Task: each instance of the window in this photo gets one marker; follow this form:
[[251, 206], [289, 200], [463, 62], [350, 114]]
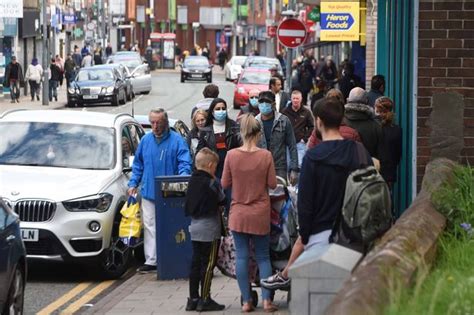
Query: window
[[131, 136], [3, 218]]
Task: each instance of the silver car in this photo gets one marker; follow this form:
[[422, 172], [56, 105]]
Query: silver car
[[65, 174], [138, 72]]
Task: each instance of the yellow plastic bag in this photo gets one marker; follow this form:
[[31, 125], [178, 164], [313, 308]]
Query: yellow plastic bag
[[131, 223]]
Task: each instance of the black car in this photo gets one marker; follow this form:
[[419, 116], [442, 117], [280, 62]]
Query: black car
[[97, 84], [196, 68], [12, 262]]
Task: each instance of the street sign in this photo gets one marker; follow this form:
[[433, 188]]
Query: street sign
[[271, 31], [315, 14], [291, 33], [340, 21]]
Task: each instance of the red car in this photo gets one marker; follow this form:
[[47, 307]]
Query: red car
[[251, 78]]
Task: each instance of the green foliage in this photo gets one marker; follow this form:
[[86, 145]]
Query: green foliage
[[449, 288]]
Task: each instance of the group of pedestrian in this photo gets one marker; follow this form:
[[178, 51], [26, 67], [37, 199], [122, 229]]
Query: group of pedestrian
[[233, 164]]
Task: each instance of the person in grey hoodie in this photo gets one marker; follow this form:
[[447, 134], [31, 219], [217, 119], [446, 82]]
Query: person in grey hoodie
[[278, 135], [360, 116]]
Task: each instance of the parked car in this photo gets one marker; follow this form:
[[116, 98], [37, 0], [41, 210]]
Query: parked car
[[65, 174], [196, 68], [125, 74], [140, 77], [130, 59], [250, 78], [177, 125], [12, 262], [97, 84], [233, 68], [261, 62]]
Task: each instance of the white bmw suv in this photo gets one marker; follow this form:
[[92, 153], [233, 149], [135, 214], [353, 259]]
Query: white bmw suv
[[65, 174]]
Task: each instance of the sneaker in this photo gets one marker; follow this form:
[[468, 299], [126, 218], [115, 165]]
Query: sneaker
[[13, 101], [209, 305], [277, 281], [56, 98], [146, 269], [37, 97], [192, 304]]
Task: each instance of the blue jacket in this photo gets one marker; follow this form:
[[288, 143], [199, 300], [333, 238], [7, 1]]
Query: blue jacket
[[169, 157]]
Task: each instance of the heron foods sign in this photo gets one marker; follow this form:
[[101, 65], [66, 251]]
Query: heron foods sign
[[339, 21]]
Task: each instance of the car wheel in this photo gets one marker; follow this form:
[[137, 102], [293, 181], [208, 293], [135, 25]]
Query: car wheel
[[123, 100], [16, 294], [182, 79], [146, 92], [209, 79], [114, 261]]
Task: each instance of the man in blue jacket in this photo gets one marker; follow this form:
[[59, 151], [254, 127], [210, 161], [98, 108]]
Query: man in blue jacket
[[160, 153]]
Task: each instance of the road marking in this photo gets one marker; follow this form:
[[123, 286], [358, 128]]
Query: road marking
[[88, 296], [64, 299]]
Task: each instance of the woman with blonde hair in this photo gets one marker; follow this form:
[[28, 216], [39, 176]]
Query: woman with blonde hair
[[249, 218], [198, 122]]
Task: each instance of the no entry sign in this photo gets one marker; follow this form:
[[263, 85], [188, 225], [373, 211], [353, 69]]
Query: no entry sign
[[291, 33]]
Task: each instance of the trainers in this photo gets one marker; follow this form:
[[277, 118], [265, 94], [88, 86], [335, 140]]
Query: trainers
[[277, 281], [209, 305], [37, 97], [146, 269], [192, 304]]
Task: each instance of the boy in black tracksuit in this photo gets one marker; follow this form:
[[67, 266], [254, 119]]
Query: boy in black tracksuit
[[203, 200]]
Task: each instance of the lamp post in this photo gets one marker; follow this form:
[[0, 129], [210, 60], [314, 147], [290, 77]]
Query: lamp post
[[45, 100]]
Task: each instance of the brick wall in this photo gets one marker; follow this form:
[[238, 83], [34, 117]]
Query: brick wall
[[371, 33], [446, 73]]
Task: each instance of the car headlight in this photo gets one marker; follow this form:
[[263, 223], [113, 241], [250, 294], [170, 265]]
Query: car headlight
[[186, 70], [71, 90], [98, 203], [207, 70], [241, 90]]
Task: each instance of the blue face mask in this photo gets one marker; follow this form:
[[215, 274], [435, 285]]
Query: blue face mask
[[265, 108], [253, 102], [220, 115]]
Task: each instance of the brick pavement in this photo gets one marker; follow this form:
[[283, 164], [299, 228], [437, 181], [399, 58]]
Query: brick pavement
[[143, 294]]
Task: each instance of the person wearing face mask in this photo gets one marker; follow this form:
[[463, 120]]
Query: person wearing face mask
[[220, 133], [278, 136], [162, 152], [198, 123], [252, 106]]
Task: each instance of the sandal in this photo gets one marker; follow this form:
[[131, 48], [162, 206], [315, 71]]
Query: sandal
[[270, 308], [248, 307]]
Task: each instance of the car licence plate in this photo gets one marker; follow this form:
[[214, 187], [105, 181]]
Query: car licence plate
[[90, 97], [30, 235], [196, 76]]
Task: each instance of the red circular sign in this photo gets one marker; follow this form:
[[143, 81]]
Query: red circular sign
[[291, 33]]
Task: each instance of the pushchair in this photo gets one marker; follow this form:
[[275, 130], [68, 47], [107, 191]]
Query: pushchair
[[283, 235]]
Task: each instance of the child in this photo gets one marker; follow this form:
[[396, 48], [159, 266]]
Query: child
[[203, 200]]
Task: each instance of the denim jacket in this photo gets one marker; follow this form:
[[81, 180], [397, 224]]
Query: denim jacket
[[282, 138]]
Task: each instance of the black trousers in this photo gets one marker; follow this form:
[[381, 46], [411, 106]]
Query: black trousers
[[34, 88], [202, 267]]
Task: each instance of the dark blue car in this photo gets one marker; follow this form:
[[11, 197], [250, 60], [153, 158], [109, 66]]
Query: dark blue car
[[12, 262]]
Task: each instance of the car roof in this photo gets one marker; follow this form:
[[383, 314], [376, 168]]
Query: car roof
[[65, 116], [255, 70], [106, 66]]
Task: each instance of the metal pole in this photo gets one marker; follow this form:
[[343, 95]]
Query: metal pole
[[45, 56]]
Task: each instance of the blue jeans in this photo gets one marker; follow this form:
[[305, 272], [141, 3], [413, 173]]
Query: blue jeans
[[262, 255], [301, 149], [53, 89]]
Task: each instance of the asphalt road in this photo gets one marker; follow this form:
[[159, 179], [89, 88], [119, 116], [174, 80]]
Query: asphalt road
[[62, 288]]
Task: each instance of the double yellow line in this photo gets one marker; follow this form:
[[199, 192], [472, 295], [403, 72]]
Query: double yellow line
[[68, 296]]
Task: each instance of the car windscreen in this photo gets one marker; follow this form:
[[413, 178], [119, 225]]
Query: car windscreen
[[255, 78], [238, 60], [57, 145], [130, 63], [263, 64], [95, 75], [196, 62]]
